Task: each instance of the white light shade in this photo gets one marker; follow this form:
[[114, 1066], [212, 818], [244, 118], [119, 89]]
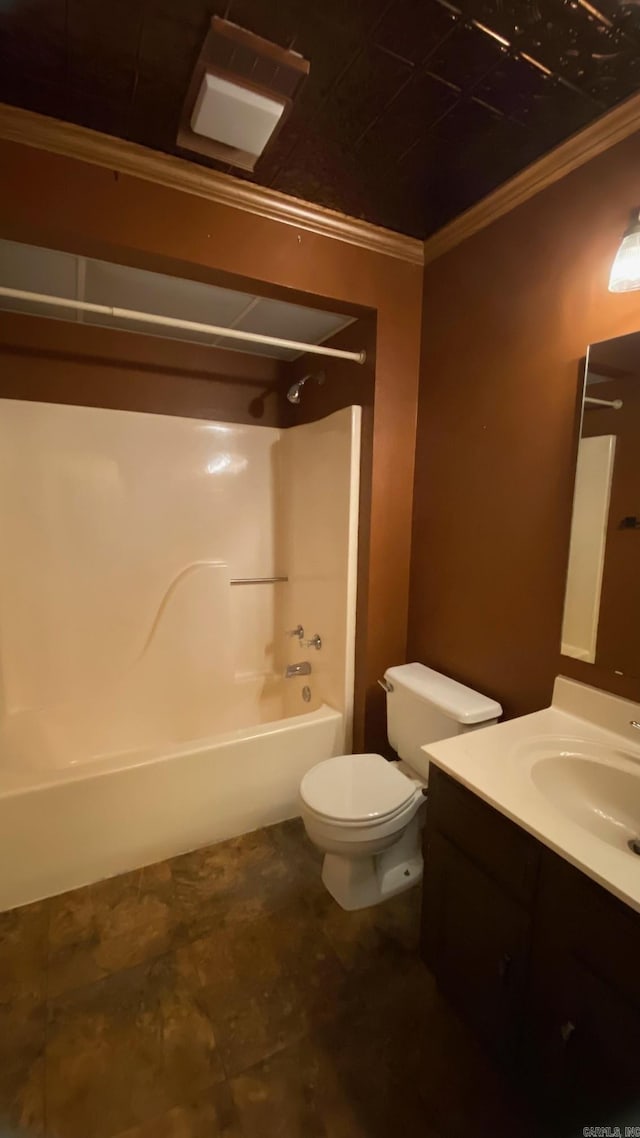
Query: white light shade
[[235, 115], [625, 271]]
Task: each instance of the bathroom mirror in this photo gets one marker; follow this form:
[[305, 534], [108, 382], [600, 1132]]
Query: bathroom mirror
[[601, 622]]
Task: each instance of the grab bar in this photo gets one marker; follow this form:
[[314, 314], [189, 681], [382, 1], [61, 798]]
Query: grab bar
[[257, 580]]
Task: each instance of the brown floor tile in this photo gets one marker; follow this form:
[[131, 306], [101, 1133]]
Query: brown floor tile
[[126, 1049], [279, 1098], [22, 1038], [261, 1027], [290, 838], [265, 982], [233, 882], [234, 959], [23, 951], [304, 1091], [109, 926], [403, 1054], [22, 1100], [212, 1115], [233, 964], [383, 934]]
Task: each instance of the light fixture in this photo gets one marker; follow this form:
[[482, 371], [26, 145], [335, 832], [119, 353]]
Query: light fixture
[[235, 115], [241, 90], [625, 271]]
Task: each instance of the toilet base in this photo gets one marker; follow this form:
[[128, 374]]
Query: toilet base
[[359, 882]]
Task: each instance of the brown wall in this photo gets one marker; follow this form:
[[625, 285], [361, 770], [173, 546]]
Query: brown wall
[[62, 362], [507, 318], [96, 212]]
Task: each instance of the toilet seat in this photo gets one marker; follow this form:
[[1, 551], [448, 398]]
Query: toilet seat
[[357, 791]]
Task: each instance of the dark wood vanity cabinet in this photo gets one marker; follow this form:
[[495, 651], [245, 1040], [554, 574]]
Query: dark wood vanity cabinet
[[542, 962], [476, 941]]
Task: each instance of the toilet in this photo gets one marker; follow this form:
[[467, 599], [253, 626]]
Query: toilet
[[367, 813]]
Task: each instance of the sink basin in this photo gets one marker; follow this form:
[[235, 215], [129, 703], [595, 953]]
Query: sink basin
[[600, 794]]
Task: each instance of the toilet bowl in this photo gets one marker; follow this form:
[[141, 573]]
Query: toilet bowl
[[366, 813]]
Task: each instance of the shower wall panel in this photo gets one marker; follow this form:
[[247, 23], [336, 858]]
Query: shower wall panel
[[120, 535]]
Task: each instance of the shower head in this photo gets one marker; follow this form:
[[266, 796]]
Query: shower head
[[293, 394]]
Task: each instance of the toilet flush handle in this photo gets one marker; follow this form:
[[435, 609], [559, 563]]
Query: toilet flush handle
[[386, 686]]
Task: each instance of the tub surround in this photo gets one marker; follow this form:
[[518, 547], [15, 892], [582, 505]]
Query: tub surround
[[498, 764], [144, 706]]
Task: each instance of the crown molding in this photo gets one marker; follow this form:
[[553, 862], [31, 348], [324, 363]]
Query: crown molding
[[71, 141], [595, 139]]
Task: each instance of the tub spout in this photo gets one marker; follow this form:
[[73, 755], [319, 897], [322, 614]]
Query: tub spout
[[303, 669]]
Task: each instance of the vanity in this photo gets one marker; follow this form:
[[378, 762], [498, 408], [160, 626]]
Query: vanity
[[531, 899]]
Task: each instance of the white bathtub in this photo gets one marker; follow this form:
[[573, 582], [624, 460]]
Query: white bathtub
[[62, 826]]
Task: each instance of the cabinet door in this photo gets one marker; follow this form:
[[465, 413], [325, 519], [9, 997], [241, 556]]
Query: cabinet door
[[475, 939], [583, 1042]]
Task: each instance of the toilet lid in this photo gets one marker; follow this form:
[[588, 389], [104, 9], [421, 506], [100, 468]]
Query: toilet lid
[[352, 788]]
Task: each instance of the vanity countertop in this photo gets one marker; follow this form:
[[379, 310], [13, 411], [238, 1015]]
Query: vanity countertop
[[569, 775]]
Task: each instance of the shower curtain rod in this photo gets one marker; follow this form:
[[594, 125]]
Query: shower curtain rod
[[175, 322]]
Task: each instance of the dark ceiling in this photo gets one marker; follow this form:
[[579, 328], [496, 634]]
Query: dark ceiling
[[413, 111]]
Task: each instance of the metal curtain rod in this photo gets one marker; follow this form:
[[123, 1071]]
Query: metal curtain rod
[[185, 325], [616, 404]]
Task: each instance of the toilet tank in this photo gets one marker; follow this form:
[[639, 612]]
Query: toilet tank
[[424, 706]]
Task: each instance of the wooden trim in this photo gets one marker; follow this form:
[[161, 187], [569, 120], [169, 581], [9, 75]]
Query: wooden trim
[[595, 139], [44, 133]]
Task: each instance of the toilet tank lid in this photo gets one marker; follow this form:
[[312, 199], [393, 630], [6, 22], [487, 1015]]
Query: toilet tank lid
[[462, 704]]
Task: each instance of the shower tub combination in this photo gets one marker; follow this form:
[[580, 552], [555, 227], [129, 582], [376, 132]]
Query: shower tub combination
[[144, 706]]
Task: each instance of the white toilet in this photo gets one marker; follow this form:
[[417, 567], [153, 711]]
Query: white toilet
[[365, 812]]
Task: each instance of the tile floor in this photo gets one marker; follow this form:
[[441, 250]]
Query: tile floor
[[223, 994]]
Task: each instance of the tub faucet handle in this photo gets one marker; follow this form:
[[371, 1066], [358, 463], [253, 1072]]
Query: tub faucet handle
[[298, 631]]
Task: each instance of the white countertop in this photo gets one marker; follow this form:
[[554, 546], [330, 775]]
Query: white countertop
[[496, 764]]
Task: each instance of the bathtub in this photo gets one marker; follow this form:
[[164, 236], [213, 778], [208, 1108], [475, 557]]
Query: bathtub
[[68, 819]]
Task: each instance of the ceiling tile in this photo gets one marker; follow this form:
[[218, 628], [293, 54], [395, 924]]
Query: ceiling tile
[[414, 28], [158, 60], [513, 86], [364, 91], [376, 94], [32, 38], [465, 57], [103, 43], [154, 115], [44, 98], [406, 121], [357, 17], [466, 124]]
